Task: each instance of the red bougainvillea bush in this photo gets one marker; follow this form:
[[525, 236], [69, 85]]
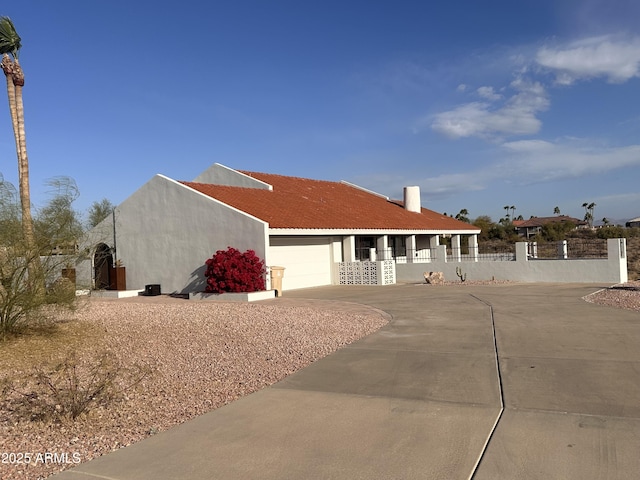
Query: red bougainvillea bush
[[232, 271]]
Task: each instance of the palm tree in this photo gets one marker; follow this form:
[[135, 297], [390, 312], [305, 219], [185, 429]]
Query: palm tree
[[591, 207], [10, 44], [513, 212], [588, 212], [556, 210], [507, 208], [463, 216]]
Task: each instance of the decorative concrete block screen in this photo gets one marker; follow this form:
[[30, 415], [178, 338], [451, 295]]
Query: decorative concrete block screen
[[367, 273], [388, 272]]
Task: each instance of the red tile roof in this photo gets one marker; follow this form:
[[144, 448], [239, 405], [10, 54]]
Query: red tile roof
[[317, 204]]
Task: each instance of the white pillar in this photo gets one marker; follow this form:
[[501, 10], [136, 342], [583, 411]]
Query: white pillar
[[411, 252], [523, 251], [563, 251], [473, 247], [455, 247], [382, 245], [617, 256], [349, 248]]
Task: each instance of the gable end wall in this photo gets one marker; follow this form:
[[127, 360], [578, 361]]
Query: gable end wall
[[166, 231], [218, 174]]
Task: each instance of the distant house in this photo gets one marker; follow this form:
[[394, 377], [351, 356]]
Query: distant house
[[633, 223], [165, 230], [533, 226]]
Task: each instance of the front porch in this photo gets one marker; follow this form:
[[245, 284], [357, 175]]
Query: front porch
[[410, 248]]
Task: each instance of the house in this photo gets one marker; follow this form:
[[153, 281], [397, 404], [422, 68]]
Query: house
[[633, 223], [533, 226], [166, 230]]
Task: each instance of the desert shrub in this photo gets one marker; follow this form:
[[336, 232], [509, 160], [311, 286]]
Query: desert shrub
[[232, 271], [612, 232], [22, 302], [555, 231], [28, 284], [70, 387]]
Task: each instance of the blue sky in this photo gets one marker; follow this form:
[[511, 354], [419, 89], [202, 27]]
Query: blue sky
[[482, 104]]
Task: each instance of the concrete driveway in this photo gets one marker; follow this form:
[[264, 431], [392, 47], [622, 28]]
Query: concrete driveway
[[430, 396]]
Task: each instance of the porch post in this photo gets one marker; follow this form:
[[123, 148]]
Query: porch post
[[473, 247], [455, 247], [410, 249], [349, 248], [382, 245], [434, 246]]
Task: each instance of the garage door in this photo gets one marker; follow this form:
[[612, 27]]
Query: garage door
[[307, 260]]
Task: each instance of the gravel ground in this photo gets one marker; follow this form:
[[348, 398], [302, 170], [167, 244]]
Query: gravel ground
[[626, 295], [203, 355]]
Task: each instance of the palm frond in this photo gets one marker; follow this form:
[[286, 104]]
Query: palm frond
[[9, 38]]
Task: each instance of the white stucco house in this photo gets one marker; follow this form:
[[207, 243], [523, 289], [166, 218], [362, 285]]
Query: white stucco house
[[166, 230], [633, 223]]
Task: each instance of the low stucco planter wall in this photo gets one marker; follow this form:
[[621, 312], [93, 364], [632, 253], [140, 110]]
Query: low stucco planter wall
[[116, 293], [233, 297]]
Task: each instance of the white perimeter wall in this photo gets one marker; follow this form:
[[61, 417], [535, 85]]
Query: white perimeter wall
[[166, 231], [611, 270]]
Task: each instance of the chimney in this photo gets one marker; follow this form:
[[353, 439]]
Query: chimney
[[412, 199]]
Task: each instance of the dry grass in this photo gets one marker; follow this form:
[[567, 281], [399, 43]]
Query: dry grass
[[47, 342]]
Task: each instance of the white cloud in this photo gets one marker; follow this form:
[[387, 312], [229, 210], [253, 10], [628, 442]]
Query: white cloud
[[488, 93], [521, 162], [617, 60], [441, 186], [538, 160], [447, 184], [517, 116]]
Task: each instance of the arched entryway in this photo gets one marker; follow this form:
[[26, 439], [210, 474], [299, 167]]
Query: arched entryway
[[102, 263]]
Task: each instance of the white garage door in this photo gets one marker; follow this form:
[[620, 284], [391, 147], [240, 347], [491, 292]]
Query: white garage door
[[307, 260]]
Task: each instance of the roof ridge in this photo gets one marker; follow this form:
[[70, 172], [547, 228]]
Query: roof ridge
[[246, 172]]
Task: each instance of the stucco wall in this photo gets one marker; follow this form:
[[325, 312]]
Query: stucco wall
[[221, 175], [165, 232], [53, 266], [611, 270]]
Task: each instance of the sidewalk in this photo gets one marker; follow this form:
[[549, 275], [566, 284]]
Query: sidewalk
[[419, 398]]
